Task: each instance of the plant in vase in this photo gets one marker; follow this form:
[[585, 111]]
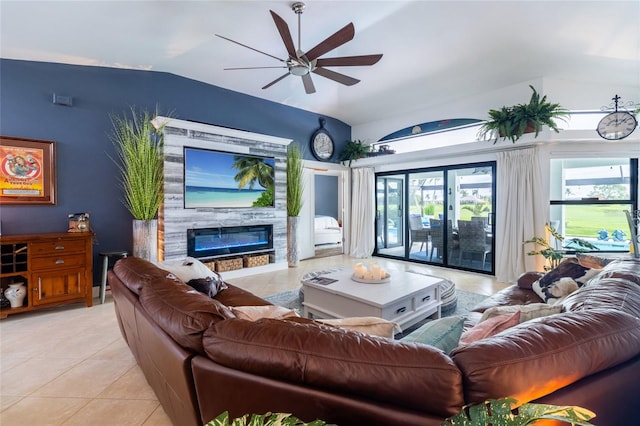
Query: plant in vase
[[138, 146], [295, 190], [514, 121]]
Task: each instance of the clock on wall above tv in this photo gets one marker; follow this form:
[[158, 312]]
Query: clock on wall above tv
[[218, 179]]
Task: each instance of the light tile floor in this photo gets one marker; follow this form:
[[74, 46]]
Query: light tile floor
[[70, 366]]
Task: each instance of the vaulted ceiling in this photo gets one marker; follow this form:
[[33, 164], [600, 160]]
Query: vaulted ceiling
[[434, 51]]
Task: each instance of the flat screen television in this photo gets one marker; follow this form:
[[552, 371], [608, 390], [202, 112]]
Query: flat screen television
[[222, 179]]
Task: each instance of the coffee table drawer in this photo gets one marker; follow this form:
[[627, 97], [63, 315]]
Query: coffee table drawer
[[397, 309], [424, 298]]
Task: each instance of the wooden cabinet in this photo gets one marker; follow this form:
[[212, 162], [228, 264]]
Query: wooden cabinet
[[56, 269]]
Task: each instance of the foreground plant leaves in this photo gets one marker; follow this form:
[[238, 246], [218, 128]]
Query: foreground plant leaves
[[268, 419], [499, 413]]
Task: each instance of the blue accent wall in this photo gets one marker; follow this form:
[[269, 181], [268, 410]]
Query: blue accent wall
[[86, 176], [326, 189]]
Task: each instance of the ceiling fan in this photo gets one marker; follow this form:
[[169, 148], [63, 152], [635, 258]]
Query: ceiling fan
[[300, 63]]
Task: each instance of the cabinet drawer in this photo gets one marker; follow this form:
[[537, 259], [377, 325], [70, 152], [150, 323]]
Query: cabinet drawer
[[424, 298], [56, 247], [401, 307], [57, 262]]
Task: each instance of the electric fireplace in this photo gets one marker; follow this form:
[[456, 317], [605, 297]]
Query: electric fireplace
[[210, 242]]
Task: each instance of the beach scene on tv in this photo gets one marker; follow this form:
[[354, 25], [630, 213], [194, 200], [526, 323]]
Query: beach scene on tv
[[224, 179]]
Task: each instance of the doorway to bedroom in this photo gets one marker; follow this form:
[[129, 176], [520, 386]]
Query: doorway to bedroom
[[328, 231]]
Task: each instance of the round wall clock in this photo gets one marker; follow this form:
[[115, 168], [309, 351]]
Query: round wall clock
[[322, 143], [617, 125]]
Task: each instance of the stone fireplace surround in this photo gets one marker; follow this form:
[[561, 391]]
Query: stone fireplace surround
[[174, 219]]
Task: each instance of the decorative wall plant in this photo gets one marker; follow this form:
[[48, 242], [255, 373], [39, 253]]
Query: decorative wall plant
[[353, 150], [514, 121]]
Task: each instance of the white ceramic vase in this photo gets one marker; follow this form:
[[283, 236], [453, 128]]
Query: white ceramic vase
[[15, 294]]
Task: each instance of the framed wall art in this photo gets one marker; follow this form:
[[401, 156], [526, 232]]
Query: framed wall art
[[27, 171]]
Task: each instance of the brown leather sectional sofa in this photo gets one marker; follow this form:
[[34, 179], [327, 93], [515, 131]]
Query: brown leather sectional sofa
[[201, 360]]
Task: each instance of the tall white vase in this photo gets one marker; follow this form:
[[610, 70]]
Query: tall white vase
[[145, 239], [292, 241], [15, 294]]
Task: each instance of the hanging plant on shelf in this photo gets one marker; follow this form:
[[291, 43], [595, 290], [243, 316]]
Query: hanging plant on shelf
[[514, 121], [353, 150]]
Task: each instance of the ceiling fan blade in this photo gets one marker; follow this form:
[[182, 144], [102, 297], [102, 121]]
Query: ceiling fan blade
[[276, 80], [335, 76], [339, 38], [248, 68], [283, 29], [348, 61], [249, 47], [308, 84]]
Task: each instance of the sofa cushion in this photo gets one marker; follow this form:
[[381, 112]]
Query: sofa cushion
[[593, 261], [443, 333], [236, 296], [372, 326], [490, 327], [410, 375], [136, 273], [603, 292], [254, 313], [627, 269], [182, 312], [527, 312], [535, 358]]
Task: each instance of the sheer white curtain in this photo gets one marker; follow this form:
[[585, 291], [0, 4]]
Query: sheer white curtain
[[362, 241], [521, 212]]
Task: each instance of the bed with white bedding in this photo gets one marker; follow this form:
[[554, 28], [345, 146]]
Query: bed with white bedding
[[327, 231]]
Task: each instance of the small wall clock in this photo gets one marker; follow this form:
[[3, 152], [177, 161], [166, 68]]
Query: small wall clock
[[617, 125], [322, 145]]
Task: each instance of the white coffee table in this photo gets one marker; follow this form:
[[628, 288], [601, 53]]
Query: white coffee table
[[406, 299]]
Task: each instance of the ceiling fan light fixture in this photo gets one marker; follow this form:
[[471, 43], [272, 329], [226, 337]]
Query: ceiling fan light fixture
[[299, 69]]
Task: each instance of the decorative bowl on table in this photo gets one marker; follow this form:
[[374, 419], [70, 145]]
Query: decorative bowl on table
[[386, 279]]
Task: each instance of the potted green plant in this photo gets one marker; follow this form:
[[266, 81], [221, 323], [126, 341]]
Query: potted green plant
[[138, 147], [353, 150], [295, 190], [500, 412], [514, 121], [551, 253]]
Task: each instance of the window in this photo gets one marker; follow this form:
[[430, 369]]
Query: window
[[589, 197]]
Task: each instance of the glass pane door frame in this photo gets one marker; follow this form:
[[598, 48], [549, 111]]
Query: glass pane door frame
[[422, 192]]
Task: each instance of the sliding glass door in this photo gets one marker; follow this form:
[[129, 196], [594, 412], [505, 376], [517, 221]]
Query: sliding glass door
[[448, 219], [389, 214]]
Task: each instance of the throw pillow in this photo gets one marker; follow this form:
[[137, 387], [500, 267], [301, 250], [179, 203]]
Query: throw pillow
[[556, 291], [209, 285], [443, 333], [373, 326], [489, 328], [569, 268], [189, 269], [526, 279], [254, 313], [527, 312]]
